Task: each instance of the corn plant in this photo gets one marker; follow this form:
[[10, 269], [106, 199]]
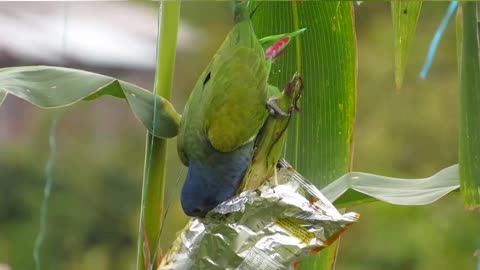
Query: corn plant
[[319, 142]]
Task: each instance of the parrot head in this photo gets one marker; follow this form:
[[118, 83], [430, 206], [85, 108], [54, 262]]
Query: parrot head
[[203, 190], [213, 178]]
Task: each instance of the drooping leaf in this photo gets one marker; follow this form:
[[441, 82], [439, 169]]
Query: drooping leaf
[[405, 16], [52, 87], [469, 137], [319, 140], [3, 95], [356, 187]]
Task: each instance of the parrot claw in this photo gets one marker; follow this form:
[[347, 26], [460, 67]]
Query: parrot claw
[[292, 90], [274, 109]]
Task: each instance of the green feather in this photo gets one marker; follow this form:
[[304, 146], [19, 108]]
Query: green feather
[[227, 106]]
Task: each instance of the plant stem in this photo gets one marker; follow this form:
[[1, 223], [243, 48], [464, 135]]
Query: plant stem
[[151, 215], [469, 129]]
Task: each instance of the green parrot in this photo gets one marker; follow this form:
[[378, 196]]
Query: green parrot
[[226, 110]]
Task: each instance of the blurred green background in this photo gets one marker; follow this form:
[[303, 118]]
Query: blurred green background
[[94, 206]]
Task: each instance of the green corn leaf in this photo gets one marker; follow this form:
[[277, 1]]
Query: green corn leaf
[[355, 188], [405, 16], [319, 140], [469, 137], [52, 87]]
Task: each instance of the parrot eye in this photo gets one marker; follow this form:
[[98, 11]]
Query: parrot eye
[[207, 78]]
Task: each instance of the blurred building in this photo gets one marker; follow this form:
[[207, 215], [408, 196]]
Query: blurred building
[[101, 34]]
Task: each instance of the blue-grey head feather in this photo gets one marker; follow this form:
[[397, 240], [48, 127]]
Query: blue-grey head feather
[[214, 179]]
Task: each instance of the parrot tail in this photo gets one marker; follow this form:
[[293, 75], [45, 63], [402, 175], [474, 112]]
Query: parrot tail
[[241, 10]]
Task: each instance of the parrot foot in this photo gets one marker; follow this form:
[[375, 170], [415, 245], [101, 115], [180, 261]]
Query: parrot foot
[[292, 92], [274, 109]]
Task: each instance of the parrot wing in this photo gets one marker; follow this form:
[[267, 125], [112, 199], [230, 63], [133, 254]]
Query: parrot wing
[[236, 91]]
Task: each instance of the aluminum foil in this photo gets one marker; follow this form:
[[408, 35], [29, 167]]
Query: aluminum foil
[[272, 227]]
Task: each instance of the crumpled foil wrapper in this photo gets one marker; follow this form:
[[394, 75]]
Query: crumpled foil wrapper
[[272, 227]]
